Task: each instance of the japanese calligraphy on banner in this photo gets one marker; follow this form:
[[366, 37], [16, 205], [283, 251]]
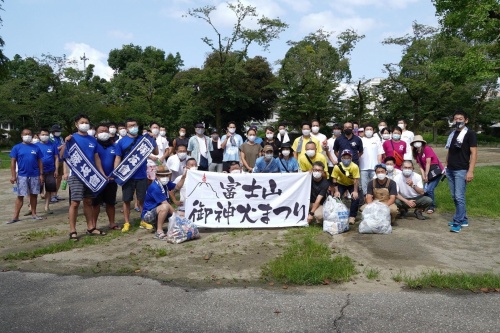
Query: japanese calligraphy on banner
[[83, 168], [133, 161], [261, 200]]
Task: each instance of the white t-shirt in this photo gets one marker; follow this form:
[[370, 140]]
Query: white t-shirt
[[371, 149], [203, 146], [320, 137], [330, 143], [175, 165], [407, 136], [407, 191], [182, 191]]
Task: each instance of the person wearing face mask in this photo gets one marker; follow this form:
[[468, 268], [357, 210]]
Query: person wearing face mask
[[230, 143], [107, 152], [198, 148], [286, 161], [79, 189], [390, 163], [315, 131], [91, 131], [163, 150], [319, 193], [266, 163], [138, 180], [250, 151], [35, 139], [282, 134], [406, 136], [381, 125], [430, 167], [235, 168], [257, 140], [385, 135], [157, 208], [180, 140], [299, 144], [29, 176], [122, 131], [271, 141], [346, 178], [113, 132], [411, 192], [50, 161], [372, 155], [216, 153], [307, 160], [384, 190], [332, 158], [460, 163], [56, 138], [177, 162], [190, 165], [349, 141], [396, 147]]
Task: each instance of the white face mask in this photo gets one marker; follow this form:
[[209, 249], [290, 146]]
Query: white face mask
[[386, 136], [27, 138], [133, 130], [57, 133], [268, 156], [315, 129], [236, 171], [83, 127], [155, 131], [310, 152], [390, 168], [285, 152], [402, 126], [163, 133], [112, 130], [122, 132], [270, 136], [317, 174], [407, 173], [306, 132], [182, 133], [251, 138], [182, 156], [194, 168], [380, 128], [231, 130], [35, 140], [44, 138], [282, 131], [103, 136], [368, 134], [164, 180], [91, 132], [396, 137], [381, 176], [417, 144]]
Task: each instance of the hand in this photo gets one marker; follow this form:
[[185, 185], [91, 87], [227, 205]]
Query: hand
[[13, 180], [411, 203], [65, 176], [409, 182], [55, 174], [162, 159], [336, 194], [309, 218], [354, 195], [469, 177], [424, 178], [153, 158], [41, 179], [68, 138]]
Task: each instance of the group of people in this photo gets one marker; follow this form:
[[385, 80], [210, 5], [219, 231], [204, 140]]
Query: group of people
[[356, 162]]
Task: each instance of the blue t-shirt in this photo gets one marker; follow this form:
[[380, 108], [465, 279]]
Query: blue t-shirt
[[57, 140], [292, 165], [232, 152], [354, 144], [155, 195], [264, 166], [124, 144], [107, 156], [88, 145], [49, 150], [27, 156]]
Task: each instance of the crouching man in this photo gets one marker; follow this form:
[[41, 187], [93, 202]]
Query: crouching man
[[156, 203], [384, 190], [411, 192]]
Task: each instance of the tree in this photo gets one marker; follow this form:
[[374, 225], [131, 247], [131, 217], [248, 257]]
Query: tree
[[226, 56]]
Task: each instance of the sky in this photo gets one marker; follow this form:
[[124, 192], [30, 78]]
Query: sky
[[95, 27]]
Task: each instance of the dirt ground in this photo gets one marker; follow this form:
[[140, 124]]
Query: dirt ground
[[235, 257]]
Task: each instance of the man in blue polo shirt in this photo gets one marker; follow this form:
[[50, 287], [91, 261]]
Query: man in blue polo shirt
[[349, 141], [58, 141], [29, 176], [50, 161]]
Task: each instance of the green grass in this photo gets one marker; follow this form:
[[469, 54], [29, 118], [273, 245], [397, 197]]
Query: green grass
[[308, 262], [158, 252], [480, 195], [39, 234], [372, 273], [463, 281], [5, 161]]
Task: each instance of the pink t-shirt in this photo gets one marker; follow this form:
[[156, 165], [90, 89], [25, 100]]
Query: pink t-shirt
[[399, 146], [426, 153]]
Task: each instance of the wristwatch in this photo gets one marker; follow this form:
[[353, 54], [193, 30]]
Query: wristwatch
[[311, 213], [413, 186]]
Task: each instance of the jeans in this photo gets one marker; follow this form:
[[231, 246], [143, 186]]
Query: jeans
[[429, 190], [457, 183], [366, 176], [215, 167], [354, 203]]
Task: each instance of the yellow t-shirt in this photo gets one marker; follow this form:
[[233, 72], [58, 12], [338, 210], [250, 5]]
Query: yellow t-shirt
[[319, 148], [351, 173], [305, 166]]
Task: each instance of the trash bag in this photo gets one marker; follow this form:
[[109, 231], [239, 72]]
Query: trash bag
[[180, 229], [335, 216], [376, 219]]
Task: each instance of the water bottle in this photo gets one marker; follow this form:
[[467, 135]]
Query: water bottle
[[64, 184], [14, 189]]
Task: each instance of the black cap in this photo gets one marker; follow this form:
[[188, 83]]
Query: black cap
[[56, 128], [214, 130], [200, 125]]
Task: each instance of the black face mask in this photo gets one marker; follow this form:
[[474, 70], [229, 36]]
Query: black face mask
[[459, 124], [348, 131]]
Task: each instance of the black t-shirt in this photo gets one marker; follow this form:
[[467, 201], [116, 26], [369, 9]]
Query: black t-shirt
[[459, 157], [354, 144], [319, 188], [393, 189], [275, 144], [216, 154]]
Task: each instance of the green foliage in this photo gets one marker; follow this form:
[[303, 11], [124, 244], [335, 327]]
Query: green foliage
[[372, 273], [463, 281]]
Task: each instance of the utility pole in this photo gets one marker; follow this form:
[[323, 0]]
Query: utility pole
[[84, 61]]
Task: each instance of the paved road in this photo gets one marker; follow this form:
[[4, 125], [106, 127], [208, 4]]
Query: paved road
[[49, 303]]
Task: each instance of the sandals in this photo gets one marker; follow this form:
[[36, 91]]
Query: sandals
[[73, 236], [12, 221], [115, 227], [90, 232]]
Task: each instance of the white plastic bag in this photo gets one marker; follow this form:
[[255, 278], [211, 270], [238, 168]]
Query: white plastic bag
[[180, 229], [376, 219], [335, 216]]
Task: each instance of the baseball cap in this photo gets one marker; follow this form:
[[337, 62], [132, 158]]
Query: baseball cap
[[346, 152]]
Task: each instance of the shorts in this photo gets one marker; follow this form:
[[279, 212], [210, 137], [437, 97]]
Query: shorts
[[151, 171], [28, 185], [77, 189], [150, 216], [108, 195], [50, 181], [139, 186]]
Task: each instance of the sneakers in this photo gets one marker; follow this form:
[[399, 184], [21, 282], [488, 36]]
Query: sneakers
[[464, 224], [53, 200], [145, 225], [160, 236], [126, 227], [418, 214], [137, 209], [58, 198], [455, 228]]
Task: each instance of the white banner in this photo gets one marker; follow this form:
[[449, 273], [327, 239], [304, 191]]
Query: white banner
[[261, 200]]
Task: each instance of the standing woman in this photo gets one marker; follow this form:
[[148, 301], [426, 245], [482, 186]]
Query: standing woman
[[396, 147], [430, 167], [272, 141], [250, 151], [385, 134]]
